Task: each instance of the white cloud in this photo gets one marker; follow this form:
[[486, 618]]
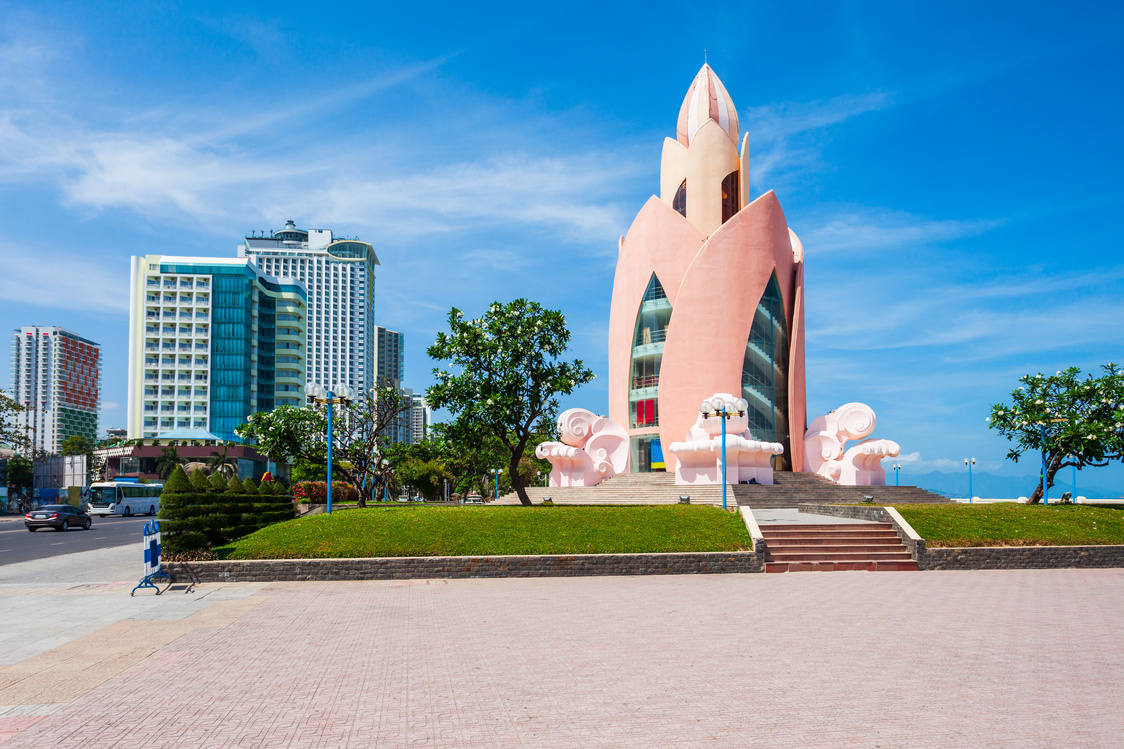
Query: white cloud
[[55, 280], [787, 139], [867, 229]]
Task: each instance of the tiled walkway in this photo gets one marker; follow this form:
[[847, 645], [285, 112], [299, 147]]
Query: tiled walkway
[[938, 659]]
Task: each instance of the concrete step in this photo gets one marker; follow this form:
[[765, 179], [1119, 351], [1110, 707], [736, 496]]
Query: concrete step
[[868, 566], [836, 556], [825, 547]]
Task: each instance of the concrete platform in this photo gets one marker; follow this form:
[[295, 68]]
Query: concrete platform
[[793, 516], [840, 660]]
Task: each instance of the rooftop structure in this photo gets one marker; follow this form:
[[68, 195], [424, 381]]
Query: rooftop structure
[[340, 278]]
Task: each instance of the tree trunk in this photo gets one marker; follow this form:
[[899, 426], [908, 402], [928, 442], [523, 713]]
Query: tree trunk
[[1053, 465], [517, 481]]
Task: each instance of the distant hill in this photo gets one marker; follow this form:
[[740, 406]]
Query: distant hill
[[989, 485]]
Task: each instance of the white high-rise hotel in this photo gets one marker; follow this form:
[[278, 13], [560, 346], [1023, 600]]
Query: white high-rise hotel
[[340, 275]]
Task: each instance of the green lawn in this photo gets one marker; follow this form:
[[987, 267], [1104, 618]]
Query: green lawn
[[1013, 524], [480, 531]]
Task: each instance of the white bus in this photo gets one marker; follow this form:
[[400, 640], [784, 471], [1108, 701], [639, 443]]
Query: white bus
[[124, 498]]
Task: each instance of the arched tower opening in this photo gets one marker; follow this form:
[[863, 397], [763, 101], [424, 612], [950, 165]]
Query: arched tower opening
[[731, 201], [765, 374], [644, 375], [679, 203]]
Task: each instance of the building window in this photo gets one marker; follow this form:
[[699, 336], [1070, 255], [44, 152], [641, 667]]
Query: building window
[[730, 198], [680, 201]]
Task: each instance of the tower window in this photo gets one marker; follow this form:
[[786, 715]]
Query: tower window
[[730, 198], [680, 201]]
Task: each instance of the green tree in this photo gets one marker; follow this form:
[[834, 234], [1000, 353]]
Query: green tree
[[167, 462], [510, 374], [222, 465], [287, 433], [77, 445], [10, 431], [1074, 421], [359, 436], [21, 474]]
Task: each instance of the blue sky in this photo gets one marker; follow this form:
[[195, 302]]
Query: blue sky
[[952, 169]]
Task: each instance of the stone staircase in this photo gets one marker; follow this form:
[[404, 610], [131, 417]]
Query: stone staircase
[[826, 548], [789, 490], [794, 489], [626, 489]]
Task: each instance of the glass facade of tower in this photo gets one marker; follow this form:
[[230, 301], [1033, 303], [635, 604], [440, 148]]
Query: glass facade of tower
[[209, 333], [643, 395], [765, 372]]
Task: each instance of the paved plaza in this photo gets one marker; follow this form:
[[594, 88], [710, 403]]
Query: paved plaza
[[854, 659]]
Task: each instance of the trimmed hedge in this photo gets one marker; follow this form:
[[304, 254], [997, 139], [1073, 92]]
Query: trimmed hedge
[[192, 520], [316, 492]]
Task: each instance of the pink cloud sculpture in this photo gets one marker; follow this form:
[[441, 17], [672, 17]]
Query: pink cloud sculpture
[[826, 452], [699, 457], [592, 449]]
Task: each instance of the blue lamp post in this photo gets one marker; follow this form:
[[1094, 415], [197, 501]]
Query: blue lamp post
[[969, 462], [718, 406], [897, 474], [317, 393], [385, 480], [496, 480]]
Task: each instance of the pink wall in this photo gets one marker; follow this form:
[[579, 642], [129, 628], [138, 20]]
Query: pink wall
[[714, 286]]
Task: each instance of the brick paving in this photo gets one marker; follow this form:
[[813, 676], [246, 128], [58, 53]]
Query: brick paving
[[1011, 658]]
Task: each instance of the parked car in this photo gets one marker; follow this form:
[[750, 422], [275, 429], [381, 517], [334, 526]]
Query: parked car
[[59, 517]]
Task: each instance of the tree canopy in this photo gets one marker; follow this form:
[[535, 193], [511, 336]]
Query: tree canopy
[[1077, 422], [10, 431], [510, 375], [360, 432]]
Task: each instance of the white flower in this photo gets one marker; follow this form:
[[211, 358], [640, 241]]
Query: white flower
[[1038, 402]]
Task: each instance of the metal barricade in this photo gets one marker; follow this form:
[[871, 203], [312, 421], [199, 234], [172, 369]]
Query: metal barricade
[[152, 569]]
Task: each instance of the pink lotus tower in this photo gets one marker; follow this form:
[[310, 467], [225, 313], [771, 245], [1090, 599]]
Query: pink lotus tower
[[708, 295]]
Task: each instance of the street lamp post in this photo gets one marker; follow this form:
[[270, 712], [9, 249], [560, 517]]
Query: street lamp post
[[342, 395], [496, 480], [897, 474], [969, 462], [718, 407], [385, 480]]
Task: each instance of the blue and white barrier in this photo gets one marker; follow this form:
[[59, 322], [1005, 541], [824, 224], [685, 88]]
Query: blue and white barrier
[[152, 569]]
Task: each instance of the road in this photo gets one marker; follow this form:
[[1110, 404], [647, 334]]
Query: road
[[17, 545]]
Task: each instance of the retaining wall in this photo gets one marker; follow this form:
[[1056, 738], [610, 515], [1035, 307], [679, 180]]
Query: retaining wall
[[405, 568]]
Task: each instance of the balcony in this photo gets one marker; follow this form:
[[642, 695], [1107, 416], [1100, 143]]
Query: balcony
[[151, 347], [201, 284], [202, 314], [200, 345], [645, 381], [151, 315]]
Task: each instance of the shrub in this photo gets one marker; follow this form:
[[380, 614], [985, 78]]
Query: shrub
[[234, 486], [218, 483], [316, 492], [248, 486], [191, 521], [199, 481], [177, 482]]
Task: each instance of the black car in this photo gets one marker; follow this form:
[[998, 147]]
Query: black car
[[59, 517]]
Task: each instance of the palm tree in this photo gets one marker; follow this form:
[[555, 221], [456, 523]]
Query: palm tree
[[167, 462], [226, 466]]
